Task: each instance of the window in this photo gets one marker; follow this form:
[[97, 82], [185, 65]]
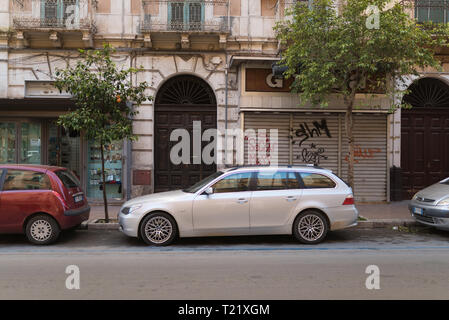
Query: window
[[26, 180], [276, 180], [314, 180], [57, 13], [185, 15], [431, 11], [67, 179], [233, 183]]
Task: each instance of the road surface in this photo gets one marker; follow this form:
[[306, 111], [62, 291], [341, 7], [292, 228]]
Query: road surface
[[412, 265]]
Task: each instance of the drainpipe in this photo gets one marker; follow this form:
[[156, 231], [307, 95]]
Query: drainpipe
[[226, 105], [123, 18]]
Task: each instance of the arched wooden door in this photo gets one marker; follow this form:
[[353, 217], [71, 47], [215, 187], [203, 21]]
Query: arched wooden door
[[179, 102], [425, 135]]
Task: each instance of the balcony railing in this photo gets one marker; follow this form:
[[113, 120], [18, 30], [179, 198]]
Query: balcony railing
[[185, 16], [51, 14]]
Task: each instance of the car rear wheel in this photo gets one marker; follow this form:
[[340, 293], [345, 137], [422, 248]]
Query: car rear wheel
[[310, 227], [158, 229], [42, 229]]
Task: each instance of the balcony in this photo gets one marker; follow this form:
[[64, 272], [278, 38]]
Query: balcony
[[55, 17], [206, 16]]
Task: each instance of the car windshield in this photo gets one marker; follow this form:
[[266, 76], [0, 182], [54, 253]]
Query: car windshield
[[197, 186]]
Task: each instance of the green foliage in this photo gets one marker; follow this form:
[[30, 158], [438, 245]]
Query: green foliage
[[100, 90], [336, 51]]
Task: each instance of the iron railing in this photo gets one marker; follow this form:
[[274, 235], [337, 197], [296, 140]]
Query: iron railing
[[185, 15], [51, 14]]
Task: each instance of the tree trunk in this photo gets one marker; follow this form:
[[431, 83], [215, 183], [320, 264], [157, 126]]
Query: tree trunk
[[105, 199], [349, 127]]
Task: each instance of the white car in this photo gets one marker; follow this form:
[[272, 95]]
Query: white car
[[304, 201]]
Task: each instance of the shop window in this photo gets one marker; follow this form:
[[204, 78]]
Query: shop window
[[113, 171], [20, 142], [7, 142]]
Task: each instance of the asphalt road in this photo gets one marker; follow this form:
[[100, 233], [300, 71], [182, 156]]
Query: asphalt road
[[412, 265]]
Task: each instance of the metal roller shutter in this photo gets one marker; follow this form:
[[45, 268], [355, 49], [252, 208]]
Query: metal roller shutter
[[269, 120], [321, 139], [315, 140], [370, 168]]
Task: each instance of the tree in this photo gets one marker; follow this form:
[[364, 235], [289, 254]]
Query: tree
[[331, 50], [101, 91]]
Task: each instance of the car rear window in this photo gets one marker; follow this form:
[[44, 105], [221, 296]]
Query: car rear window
[[26, 180], [68, 179], [315, 180]]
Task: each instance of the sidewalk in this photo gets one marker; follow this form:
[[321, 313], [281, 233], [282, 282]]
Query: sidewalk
[[377, 215]]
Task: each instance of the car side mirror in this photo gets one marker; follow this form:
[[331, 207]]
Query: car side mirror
[[209, 191]]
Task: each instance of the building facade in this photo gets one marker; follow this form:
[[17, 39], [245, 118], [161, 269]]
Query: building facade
[[205, 60]]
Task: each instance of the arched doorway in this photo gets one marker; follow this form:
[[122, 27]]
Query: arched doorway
[[179, 102], [425, 135]]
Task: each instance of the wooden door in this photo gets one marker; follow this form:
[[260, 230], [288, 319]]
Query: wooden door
[[424, 148]]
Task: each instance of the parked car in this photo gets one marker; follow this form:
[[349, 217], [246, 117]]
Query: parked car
[[40, 201], [304, 201], [430, 206]]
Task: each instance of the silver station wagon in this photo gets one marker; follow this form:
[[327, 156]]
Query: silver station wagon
[[304, 201]]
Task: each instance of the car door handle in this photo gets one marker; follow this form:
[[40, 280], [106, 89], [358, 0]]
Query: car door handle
[[241, 200], [291, 198]]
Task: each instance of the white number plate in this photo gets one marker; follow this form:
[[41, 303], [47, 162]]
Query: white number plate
[[417, 210], [78, 198]]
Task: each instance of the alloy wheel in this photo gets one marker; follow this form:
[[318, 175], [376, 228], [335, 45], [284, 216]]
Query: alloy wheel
[[311, 227], [158, 229]]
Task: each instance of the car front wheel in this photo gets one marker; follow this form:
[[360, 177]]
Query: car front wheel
[[310, 227], [42, 229], [158, 229]]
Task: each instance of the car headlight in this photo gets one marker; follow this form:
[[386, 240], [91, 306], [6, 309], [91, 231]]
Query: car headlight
[[444, 202], [131, 209], [415, 196]]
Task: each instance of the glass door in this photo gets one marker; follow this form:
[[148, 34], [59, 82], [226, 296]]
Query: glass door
[[64, 149], [30, 134]]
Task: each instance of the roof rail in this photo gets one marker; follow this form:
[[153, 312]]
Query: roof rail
[[277, 166]]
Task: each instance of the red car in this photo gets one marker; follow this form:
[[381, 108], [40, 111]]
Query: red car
[[40, 201]]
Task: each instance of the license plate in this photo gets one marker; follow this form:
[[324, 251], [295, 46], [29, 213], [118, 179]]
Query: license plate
[[417, 211], [78, 198]]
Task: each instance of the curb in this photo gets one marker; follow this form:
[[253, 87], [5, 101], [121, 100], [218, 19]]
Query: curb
[[92, 225], [386, 223], [370, 224]]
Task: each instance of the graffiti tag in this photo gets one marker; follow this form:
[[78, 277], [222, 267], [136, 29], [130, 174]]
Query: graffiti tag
[[316, 130], [312, 155], [363, 153]]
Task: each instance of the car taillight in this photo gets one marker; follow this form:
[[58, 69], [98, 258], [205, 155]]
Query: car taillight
[[349, 200], [63, 202]]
